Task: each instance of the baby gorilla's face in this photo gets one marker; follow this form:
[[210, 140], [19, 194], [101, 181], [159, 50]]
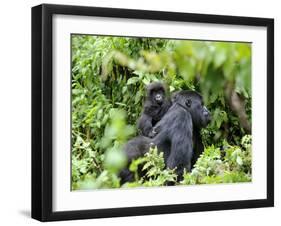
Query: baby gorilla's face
[[158, 97]]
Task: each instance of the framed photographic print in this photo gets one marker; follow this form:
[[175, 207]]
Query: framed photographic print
[[145, 112]]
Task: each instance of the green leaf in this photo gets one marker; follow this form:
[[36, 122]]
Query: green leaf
[[132, 80], [239, 160]]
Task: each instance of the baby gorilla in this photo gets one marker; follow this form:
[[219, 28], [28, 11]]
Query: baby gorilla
[[175, 137], [155, 106]]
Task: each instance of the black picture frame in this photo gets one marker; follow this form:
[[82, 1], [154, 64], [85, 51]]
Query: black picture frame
[[42, 111]]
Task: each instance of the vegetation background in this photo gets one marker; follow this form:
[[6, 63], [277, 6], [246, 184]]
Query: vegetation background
[[109, 75]]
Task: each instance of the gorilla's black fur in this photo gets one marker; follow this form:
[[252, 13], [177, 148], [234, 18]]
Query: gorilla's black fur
[[156, 105], [178, 134]]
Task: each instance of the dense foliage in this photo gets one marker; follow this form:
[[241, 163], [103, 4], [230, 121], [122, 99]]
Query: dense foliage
[[109, 75]]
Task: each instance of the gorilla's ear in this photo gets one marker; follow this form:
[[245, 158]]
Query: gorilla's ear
[[174, 96], [188, 103]]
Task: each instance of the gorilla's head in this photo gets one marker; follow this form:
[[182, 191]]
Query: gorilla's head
[[193, 103], [156, 92]]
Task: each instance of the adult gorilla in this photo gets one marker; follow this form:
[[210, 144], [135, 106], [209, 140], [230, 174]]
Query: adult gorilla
[[178, 135]]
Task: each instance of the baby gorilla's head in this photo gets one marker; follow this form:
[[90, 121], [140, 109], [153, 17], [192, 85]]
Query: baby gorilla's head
[[156, 92]]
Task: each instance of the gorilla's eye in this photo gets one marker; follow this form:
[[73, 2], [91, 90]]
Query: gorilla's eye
[[188, 103]]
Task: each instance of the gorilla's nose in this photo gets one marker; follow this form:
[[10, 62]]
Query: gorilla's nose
[[206, 113], [209, 117]]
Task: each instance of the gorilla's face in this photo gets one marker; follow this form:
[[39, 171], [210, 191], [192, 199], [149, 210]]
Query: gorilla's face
[[193, 103], [156, 93], [200, 114], [158, 96]]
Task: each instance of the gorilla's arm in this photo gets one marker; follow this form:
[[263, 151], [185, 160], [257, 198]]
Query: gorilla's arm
[[134, 149], [145, 124], [198, 146], [137, 147], [181, 143]]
